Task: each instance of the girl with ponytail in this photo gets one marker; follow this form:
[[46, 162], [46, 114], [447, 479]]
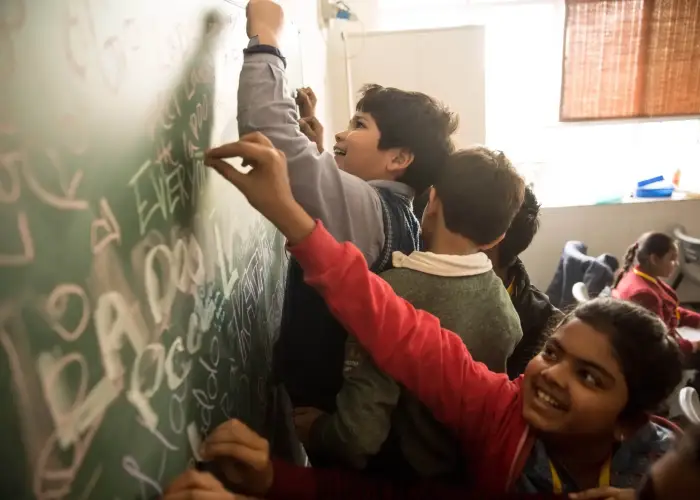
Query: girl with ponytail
[[653, 257]]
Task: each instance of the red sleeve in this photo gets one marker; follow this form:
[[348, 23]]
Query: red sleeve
[[407, 344], [689, 318], [292, 482], [651, 302]]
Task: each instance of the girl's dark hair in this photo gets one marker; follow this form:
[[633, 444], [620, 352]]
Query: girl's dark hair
[[649, 357], [648, 244]]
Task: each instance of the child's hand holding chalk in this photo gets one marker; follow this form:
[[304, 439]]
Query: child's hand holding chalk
[[243, 456]]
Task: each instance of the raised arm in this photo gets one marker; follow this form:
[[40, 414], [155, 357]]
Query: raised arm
[[348, 206], [407, 344]]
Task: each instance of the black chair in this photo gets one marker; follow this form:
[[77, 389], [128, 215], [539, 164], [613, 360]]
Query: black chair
[[688, 261]]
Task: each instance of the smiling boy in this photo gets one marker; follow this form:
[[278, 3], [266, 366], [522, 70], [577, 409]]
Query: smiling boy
[[393, 148]]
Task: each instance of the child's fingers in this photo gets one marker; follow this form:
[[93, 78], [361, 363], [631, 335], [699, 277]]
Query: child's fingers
[[246, 148], [227, 172], [305, 128], [314, 124], [602, 493], [238, 452], [235, 431], [257, 138], [193, 479]]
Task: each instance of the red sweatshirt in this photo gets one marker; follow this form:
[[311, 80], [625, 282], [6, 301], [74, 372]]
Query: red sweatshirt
[[482, 408], [301, 483], [659, 298]]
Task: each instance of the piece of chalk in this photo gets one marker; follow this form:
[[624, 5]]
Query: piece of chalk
[[195, 441], [198, 154]]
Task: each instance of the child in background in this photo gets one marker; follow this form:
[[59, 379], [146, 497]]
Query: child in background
[[537, 314], [656, 257], [577, 420], [380, 427], [392, 149]]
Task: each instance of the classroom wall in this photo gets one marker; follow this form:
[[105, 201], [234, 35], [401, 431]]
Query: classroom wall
[[314, 50]]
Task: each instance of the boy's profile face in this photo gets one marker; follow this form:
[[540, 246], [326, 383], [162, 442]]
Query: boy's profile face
[[357, 151]]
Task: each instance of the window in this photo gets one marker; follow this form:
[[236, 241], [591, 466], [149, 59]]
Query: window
[[630, 59]]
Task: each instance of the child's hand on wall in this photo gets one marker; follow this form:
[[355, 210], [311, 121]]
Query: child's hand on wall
[[266, 185], [195, 485], [244, 456], [304, 418], [306, 100], [312, 129], [265, 19]]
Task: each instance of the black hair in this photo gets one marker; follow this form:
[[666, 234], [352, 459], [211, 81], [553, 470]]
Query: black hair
[[648, 244], [416, 122], [649, 357], [521, 231], [480, 192]]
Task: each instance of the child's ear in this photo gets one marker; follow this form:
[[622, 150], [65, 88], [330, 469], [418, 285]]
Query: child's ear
[[433, 202], [654, 260], [400, 159]]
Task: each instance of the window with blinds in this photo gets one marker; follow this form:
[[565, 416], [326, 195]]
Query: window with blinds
[[630, 59]]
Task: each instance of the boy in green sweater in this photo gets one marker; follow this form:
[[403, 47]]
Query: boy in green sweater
[[378, 426]]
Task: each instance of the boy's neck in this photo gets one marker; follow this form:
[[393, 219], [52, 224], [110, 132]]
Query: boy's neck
[[502, 272], [447, 243]]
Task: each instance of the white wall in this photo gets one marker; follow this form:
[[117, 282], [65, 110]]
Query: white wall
[[314, 48], [605, 228], [415, 67]]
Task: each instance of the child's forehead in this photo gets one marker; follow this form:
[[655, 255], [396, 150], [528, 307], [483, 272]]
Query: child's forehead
[[363, 114], [584, 342]]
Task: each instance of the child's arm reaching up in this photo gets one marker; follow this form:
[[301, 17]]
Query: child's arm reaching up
[[408, 344], [348, 206]]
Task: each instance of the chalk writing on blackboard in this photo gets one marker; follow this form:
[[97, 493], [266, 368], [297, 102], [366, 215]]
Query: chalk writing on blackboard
[[146, 294]]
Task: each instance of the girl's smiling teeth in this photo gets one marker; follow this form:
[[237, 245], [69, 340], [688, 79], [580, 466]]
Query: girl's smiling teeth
[[548, 400], [338, 152]]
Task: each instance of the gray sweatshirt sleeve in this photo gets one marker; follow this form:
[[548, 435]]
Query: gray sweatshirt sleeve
[[348, 206], [362, 420]]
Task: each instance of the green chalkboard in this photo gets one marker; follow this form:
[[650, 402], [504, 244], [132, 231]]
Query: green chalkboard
[[140, 294]]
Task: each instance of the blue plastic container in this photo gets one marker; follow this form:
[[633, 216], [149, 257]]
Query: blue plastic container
[[654, 188]]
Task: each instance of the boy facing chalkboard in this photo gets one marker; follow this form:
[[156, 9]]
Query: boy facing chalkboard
[[363, 191]]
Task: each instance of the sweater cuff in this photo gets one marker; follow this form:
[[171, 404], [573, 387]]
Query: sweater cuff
[[292, 482], [318, 252]]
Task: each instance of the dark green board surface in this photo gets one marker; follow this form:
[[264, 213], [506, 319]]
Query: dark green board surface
[[139, 293]]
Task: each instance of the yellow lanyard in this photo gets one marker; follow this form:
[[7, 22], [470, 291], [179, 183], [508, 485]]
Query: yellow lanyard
[[644, 275], [511, 287], [603, 481], [651, 279]]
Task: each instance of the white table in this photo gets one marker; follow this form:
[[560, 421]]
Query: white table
[[689, 333]]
